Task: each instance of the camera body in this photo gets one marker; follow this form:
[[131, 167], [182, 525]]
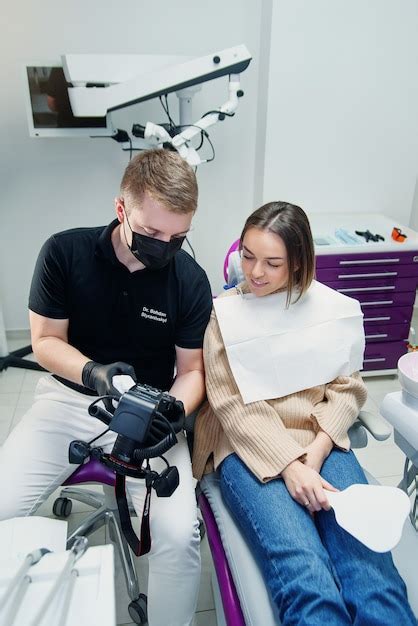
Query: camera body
[[133, 417], [136, 410], [145, 420]]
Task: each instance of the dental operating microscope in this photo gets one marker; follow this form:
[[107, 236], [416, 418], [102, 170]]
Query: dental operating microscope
[[100, 84]]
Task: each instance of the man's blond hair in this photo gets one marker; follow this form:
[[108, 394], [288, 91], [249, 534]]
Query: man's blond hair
[[166, 176]]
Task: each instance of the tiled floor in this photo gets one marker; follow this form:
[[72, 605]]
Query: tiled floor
[[383, 459]]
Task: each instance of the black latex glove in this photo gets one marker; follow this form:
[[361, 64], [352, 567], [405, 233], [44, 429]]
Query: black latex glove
[[176, 416], [99, 378]]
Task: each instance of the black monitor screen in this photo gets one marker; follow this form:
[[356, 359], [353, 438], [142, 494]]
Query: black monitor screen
[[50, 103]]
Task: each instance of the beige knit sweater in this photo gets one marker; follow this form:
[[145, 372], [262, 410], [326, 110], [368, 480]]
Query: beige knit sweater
[[269, 434]]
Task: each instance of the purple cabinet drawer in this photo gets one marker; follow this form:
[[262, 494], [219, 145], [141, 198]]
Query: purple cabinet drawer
[[386, 332], [350, 274], [380, 356], [384, 283], [360, 259], [369, 301], [368, 286], [387, 315]]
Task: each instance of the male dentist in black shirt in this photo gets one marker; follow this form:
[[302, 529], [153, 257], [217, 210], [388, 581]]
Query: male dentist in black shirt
[[120, 299]]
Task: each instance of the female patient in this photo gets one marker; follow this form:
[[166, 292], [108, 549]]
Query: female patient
[[277, 458]]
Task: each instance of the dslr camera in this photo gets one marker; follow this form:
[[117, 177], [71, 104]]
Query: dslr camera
[[146, 421]]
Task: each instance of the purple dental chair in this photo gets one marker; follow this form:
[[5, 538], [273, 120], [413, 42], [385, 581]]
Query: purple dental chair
[[241, 597]]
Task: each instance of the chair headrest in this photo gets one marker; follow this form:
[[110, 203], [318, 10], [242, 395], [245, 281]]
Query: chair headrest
[[232, 248]]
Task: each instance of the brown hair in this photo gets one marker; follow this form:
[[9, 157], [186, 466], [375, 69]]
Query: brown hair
[[166, 176], [292, 225]]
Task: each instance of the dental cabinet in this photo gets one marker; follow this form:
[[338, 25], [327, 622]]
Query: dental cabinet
[[382, 275]]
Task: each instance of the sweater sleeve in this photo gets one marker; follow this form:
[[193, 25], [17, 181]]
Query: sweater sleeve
[[343, 400], [255, 431]]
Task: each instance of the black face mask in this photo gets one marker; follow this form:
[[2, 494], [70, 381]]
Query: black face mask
[[154, 253]]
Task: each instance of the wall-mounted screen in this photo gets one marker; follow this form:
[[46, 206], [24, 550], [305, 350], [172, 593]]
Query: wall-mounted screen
[[49, 110]]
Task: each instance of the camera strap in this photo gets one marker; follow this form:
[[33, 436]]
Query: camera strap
[[139, 546]]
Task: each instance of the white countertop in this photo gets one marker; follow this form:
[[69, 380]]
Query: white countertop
[[324, 225]]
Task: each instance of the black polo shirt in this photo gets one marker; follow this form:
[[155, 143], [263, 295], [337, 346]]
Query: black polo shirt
[[116, 315]]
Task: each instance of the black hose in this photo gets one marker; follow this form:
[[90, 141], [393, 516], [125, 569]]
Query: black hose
[[157, 450]]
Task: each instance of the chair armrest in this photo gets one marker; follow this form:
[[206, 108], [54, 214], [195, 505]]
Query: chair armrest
[[358, 435], [375, 424]]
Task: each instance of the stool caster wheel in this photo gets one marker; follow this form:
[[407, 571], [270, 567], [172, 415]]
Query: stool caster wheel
[[138, 609], [62, 507]]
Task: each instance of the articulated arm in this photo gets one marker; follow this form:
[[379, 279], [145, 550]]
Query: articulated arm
[[182, 140]]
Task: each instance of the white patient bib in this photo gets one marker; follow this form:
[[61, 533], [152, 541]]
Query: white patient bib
[[274, 351]]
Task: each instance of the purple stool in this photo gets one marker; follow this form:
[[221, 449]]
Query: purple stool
[[105, 513]]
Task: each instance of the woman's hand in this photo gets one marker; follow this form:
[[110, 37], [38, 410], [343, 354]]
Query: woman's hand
[[306, 486], [318, 450]]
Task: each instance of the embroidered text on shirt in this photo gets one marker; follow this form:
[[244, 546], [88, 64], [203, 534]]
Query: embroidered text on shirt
[[153, 314]]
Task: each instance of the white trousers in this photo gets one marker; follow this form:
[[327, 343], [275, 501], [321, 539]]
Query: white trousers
[[34, 462]]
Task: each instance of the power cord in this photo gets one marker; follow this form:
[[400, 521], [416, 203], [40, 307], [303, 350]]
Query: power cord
[[167, 111], [191, 248]]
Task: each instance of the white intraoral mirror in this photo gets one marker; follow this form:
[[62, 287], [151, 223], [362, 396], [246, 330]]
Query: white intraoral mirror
[[373, 514], [123, 382]]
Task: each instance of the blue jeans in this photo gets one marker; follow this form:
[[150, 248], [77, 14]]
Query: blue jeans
[[315, 571]]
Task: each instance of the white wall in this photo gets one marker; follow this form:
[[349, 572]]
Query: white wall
[[329, 118], [343, 106], [47, 185]]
